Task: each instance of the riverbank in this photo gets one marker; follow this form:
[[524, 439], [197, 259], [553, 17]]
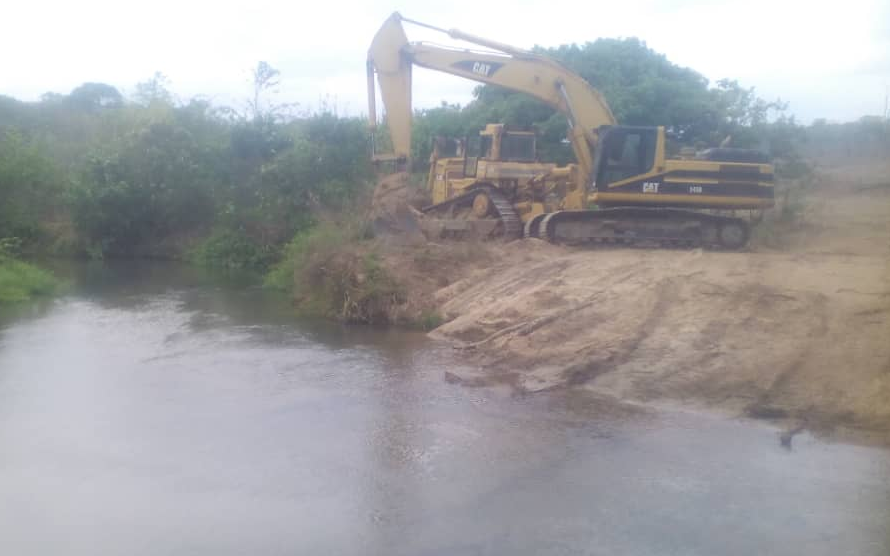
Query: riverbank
[[794, 330]]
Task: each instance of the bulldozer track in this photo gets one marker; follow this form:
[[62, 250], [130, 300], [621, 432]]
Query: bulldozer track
[[508, 216], [512, 225]]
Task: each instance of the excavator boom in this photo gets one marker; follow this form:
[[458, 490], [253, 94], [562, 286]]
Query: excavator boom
[[391, 57]]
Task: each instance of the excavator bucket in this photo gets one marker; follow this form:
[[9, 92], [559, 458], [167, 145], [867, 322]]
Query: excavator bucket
[[392, 215]]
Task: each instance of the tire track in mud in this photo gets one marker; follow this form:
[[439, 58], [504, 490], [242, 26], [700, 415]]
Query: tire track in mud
[[586, 371], [755, 330]]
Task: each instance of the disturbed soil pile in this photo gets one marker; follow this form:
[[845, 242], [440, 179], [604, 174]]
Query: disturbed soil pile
[[392, 210], [423, 269], [420, 267], [801, 333]]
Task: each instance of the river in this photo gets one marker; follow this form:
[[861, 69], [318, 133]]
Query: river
[[155, 410]]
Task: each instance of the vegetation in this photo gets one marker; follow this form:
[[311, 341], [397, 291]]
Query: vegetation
[[28, 187], [231, 250], [151, 176], [643, 88], [334, 274], [20, 281], [429, 320], [868, 137]]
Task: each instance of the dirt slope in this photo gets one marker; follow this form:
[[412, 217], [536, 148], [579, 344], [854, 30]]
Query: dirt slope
[[802, 332]]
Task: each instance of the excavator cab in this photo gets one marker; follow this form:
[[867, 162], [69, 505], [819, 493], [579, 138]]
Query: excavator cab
[[625, 152], [631, 169]]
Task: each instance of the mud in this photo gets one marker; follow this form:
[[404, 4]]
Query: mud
[[798, 333]]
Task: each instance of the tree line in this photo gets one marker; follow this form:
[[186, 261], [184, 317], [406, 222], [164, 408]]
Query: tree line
[[126, 176]]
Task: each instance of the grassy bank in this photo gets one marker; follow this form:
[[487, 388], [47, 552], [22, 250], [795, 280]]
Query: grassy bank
[[20, 281], [334, 270]]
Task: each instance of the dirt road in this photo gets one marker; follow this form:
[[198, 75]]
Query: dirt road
[[800, 332]]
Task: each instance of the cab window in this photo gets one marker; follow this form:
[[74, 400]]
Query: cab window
[[485, 146], [472, 154], [626, 153], [518, 148]]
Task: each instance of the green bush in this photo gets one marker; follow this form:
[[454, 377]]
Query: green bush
[[429, 320], [233, 251], [21, 281], [29, 184], [793, 168], [779, 228], [302, 250], [149, 185], [10, 246], [333, 273]]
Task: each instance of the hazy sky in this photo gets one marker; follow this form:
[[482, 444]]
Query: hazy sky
[[829, 59]]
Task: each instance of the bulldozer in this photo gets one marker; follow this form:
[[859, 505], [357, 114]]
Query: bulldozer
[[622, 188], [488, 185]]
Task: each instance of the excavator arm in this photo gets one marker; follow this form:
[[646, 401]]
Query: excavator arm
[[391, 58]]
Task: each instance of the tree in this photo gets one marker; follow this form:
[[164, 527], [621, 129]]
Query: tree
[[641, 86], [28, 187], [265, 79], [257, 137], [94, 96], [154, 90], [155, 182]]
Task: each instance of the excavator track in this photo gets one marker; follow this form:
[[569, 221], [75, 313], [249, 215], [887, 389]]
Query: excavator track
[[639, 226], [502, 208]]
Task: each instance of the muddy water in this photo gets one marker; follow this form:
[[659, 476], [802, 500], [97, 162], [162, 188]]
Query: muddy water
[[155, 411]]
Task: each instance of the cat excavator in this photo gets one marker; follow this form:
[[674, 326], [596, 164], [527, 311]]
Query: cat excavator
[[622, 188]]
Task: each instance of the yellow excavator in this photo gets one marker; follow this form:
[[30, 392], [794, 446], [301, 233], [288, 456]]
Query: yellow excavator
[[622, 189]]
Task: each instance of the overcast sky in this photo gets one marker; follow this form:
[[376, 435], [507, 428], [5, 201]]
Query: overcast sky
[[829, 59]]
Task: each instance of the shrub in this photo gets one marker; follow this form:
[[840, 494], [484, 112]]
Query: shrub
[[20, 281], [333, 273], [149, 185], [429, 320], [10, 246], [28, 182], [232, 250]]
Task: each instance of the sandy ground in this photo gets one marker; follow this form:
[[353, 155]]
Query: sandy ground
[[799, 333]]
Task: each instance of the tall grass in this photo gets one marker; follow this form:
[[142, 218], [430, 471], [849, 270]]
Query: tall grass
[[20, 281]]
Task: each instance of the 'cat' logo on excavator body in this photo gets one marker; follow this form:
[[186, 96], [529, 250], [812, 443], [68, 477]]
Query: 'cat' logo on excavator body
[[478, 67], [481, 68]]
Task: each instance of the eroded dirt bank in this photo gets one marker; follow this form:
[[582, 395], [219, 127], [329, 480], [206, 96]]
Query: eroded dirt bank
[[799, 333]]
